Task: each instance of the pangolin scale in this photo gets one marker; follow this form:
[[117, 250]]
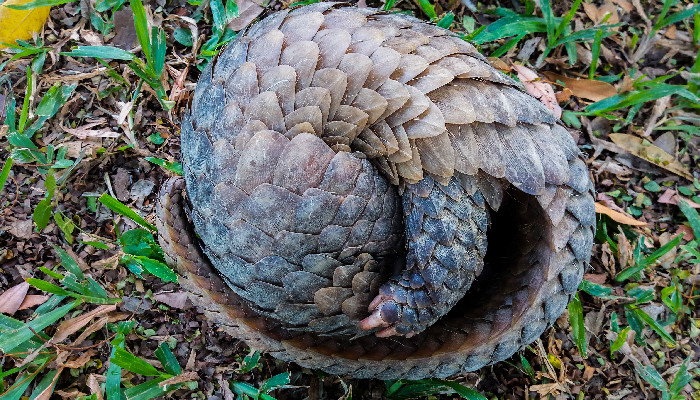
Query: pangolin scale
[[364, 194]]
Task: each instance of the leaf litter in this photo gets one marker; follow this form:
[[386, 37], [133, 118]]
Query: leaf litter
[[629, 90]]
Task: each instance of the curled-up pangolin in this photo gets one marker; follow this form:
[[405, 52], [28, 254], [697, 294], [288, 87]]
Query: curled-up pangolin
[[363, 193]]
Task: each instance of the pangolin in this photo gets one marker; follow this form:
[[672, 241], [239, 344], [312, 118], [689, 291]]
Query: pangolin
[[364, 194]]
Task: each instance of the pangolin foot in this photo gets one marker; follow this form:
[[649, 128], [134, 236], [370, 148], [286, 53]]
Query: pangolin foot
[[393, 316]]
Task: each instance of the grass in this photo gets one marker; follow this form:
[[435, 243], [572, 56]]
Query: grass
[[68, 338]]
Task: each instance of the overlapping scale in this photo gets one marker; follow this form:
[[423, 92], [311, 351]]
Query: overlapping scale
[[305, 233]]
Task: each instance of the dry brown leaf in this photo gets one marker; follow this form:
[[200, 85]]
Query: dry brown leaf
[[85, 131], [20, 24], [248, 10], [564, 95], [94, 384], [687, 232], [624, 4], [175, 300], [617, 216], [671, 196], [499, 64], [660, 106], [671, 32], [597, 14], [22, 228], [81, 360], [655, 155], [185, 377], [94, 327], [584, 88], [541, 90], [547, 389], [91, 38], [228, 394], [125, 38], [625, 251], [12, 298], [32, 300], [596, 278], [46, 393], [70, 393], [73, 325]]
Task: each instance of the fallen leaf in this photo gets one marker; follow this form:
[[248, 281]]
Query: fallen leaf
[[588, 89], [540, 90], [185, 377], [564, 95], [85, 131], [671, 196], [596, 278], [499, 64], [687, 232], [174, 300], [81, 360], [48, 391], [660, 107], [125, 38], [617, 216], [92, 328], [74, 324], [94, 385], [655, 155], [12, 298], [624, 4], [23, 229], [228, 394], [20, 24], [546, 389], [597, 14], [248, 10], [70, 393], [671, 32], [32, 300], [91, 38]]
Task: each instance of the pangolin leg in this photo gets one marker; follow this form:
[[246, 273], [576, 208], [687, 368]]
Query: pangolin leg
[[446, 239]]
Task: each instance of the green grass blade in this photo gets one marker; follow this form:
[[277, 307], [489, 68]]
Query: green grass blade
[[464, 392], [509, 26], [619, 101], [110, 52], [6, 167], [141, 24], [14, 338], [427, 8], [167, 360], [649, 260], [548, 15], [577, 327], [120, 208], [692, 215], [132, 363], [508, 45], [567, 18], [387, 6], [175, 167], [38, 3], [148, 390], [25, 105], [654, 325], [447, 20], [595, 53]]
